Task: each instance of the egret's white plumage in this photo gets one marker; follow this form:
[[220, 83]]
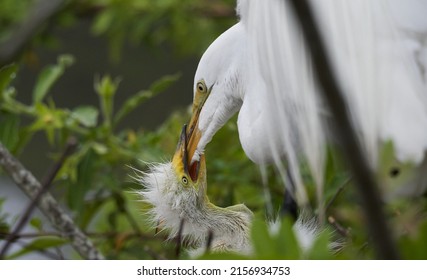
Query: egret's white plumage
[[260, 68]]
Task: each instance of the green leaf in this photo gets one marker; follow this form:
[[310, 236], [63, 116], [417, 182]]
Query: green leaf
[[9, 130], [4, 229], [99, 148], [106, 89], [321, 247], [164, 82], [263, 244], [103, 21], [49, 76], [36, 223], [131, 104], [414, 248], [85, 173], [86, 115], [39, 244], [49, 119], [287, 246], [7, 74], [140, 97], [91, 210]]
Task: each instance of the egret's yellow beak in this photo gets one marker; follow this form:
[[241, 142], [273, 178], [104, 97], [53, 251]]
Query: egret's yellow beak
[[202, 93], [189, 139], [181, 158]]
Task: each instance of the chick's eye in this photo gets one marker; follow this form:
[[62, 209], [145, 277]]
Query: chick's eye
[[201, 87], [184, 180]]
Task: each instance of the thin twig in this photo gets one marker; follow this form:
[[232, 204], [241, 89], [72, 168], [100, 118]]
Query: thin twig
[[333, 95], [179, 239], [25, 180], [337, 193], [340, 229], [53, 171]]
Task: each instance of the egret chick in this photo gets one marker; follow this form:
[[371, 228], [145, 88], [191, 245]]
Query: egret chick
[[178, 195]]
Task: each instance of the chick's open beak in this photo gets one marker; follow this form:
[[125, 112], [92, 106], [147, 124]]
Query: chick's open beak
[[181, 157]]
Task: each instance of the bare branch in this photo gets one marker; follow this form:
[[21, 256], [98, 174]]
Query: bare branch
[[48, 205], [333, 96]]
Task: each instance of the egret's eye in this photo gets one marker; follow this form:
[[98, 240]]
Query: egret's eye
[[184, 180], [201, 87]]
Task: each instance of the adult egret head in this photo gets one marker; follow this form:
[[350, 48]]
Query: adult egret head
[[220, 73]]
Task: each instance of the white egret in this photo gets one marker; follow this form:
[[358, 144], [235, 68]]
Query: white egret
[[260, 68]]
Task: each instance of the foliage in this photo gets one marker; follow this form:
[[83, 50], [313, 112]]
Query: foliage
[[156, 22], [189, 25], [12, 13], [95, 182], [95, 174]]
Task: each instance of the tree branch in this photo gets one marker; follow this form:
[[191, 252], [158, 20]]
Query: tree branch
[[40, 13], [71, 144], [332, 93], [48, 205]]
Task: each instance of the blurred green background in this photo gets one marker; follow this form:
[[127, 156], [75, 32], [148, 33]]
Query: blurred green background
[[118, 75]]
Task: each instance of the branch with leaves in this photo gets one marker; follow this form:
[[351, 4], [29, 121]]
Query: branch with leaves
[[48, 205], [92, 176]]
